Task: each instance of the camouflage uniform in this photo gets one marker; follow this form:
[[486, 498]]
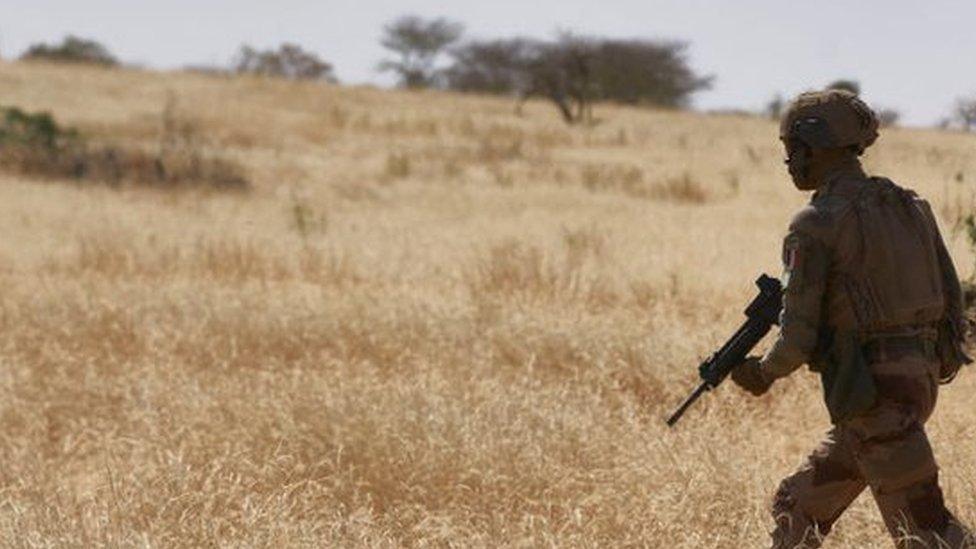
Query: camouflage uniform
[[864, 262]]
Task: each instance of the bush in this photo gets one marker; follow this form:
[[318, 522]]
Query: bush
[[417, 43], [774, 109], [964, 112], [38, 131], [289, 61], [35, 144], [72, 50], [888, 117], [968, 224], [646, 72], [573, 72]]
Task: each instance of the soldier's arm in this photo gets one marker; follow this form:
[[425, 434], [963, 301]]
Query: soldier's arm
[[805, 264]]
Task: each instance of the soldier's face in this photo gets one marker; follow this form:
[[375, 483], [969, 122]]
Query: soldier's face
[[799, 162]]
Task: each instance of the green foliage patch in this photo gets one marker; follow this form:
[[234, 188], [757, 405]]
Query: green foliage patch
[[36, 144]]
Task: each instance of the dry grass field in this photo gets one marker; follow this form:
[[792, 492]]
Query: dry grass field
[[431, 322]]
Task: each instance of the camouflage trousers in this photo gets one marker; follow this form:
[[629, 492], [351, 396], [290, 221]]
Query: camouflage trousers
[[885, 450]]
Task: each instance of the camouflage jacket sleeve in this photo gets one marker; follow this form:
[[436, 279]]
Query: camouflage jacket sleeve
[[805, 263]]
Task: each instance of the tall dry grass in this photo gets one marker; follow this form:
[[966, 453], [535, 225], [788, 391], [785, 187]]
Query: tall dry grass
[[433, 323]]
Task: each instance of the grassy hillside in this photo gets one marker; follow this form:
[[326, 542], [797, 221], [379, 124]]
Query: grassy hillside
[[432, 321]]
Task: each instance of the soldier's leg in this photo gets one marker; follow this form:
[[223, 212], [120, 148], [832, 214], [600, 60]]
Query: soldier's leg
[[917, 517], [809, 501], [903, 476], [894, 455]]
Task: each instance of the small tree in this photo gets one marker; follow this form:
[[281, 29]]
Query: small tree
[[645, 72], [888, 117], [965, 112], [774, 109], [563, 71], [37, 131], [73, 50], [525, 68], [850, 85], [288, 61], [573, 72], [494, 66], [417, 44]]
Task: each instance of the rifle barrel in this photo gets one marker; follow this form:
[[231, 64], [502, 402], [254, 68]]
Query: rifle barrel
[[702, 388]]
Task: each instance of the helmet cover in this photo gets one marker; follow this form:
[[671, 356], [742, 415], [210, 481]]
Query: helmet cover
[[828, 119]]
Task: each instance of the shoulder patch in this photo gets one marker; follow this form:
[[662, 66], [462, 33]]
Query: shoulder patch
[[792, 261]]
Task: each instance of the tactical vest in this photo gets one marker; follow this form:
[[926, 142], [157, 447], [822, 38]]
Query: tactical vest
[[885, 280], [888, 277]]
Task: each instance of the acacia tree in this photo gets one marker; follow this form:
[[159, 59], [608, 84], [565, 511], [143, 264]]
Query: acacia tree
[[774, 108], [888, 117], [965, 112], [646, 72], [522, 67], [417, 43], [573, 72], [492, 66], [288, 61], [72, 49]]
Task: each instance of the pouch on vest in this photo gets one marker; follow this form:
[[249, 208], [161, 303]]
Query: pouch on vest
[[952, 357], [848, 386], [897, 281], [952, 328]]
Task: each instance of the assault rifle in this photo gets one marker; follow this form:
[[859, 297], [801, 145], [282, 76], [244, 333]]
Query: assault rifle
[[761, 315]]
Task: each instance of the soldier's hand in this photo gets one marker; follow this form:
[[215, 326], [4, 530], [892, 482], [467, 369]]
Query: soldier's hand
[[750, 377]]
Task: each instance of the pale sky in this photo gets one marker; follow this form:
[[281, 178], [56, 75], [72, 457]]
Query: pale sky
[[914, 56]]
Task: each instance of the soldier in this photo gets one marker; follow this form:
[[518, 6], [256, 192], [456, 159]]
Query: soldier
[[872, 303]]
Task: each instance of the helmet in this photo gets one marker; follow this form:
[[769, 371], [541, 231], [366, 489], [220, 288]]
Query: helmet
[[828, 119]]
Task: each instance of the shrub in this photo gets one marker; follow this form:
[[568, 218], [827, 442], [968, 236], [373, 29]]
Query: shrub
[[73, 50], [35, 144], [683, 188], [289, 61], [964, 112], [513, 269], [968, 223], [35, 130], [888, 117], [774, 109], [397, 165], [574, 71], [417, 43], [630, 181]]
